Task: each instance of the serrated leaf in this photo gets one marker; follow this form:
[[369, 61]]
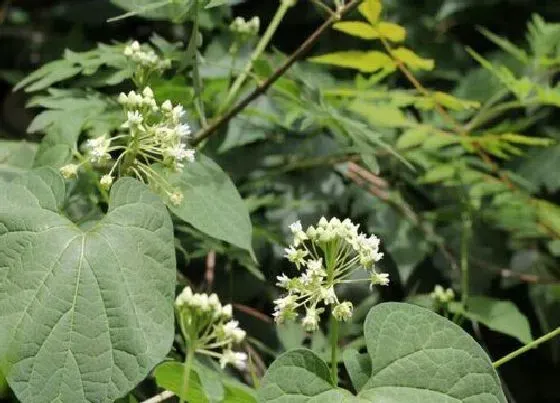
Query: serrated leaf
[[88, 313], [419, 356], [412, 60], [371, 10], [212, 203], [501, 316], [366, 62]]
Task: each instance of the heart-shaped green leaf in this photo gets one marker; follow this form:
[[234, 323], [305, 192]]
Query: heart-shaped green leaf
[[415, 356], [84, 315], [419, 356]]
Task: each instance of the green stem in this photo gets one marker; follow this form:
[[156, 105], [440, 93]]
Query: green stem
[[527, 347], [465, 241], [187, 373], [334, 348], [261, 46]]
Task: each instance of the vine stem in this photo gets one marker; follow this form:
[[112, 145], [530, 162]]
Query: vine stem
[[334, 348], [285, 5], [187, 373], [264, 86], [527, 347], [465, 240]]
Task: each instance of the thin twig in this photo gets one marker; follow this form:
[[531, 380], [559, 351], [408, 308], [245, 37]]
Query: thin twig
[[4, 10], [264, 86], [253, 312], [167, 394]]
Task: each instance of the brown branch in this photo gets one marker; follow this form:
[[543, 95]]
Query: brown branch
[[264, 86], [253, 312]]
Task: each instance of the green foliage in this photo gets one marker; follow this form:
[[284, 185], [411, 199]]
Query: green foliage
[[406, 344], [212, 204], [87, 311], [453, 166]]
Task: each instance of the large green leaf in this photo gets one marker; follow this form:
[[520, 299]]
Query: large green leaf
[[300, 376], [84, 315], [16, 157], [212, 203], [415, 355], [419, 356], [501, 316]]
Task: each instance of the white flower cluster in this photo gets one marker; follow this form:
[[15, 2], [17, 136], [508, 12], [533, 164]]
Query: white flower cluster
[[154, 134], [246, 27], [147, 59], [159, 134], [327, 254], [442, 296], [208, 325]]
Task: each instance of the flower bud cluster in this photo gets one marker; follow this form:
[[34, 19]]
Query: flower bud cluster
[[208, 326], [442, 296], [146, 58], [326, 254], [245, 27], [153, 134]]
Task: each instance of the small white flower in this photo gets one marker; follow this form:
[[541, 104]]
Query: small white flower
[[106, 181], [183, 130], [232, 331], [148, 93], [227, 311], [176, 198], [237, 359], [98, 149], [328, 296], [123, 99], [283, 281], [441, 295], [69, 171], [134, 119], [167, 106], [184, 298], [296, 255], [177, 114], [343, 311], [379, 279], [135, 46], [311, 320]]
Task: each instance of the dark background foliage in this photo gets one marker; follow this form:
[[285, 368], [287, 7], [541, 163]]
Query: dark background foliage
[[36, 31]]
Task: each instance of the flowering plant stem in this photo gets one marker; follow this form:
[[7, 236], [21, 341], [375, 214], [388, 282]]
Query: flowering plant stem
[[334, 348], [260, 48], [465, 240], [527, 347], [187, 371]]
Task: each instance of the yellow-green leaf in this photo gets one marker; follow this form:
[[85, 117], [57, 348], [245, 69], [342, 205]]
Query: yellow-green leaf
[[527, 140], [412, 60], [388, 30], [367, 62], [413, 137], [381, 115], [439, 173], [371, 10], [357, 28], [391, 31]]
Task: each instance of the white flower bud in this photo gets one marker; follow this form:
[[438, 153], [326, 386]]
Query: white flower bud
[[106, 181], [343, 311], [227, 311], [69, 171], [148, 93]]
